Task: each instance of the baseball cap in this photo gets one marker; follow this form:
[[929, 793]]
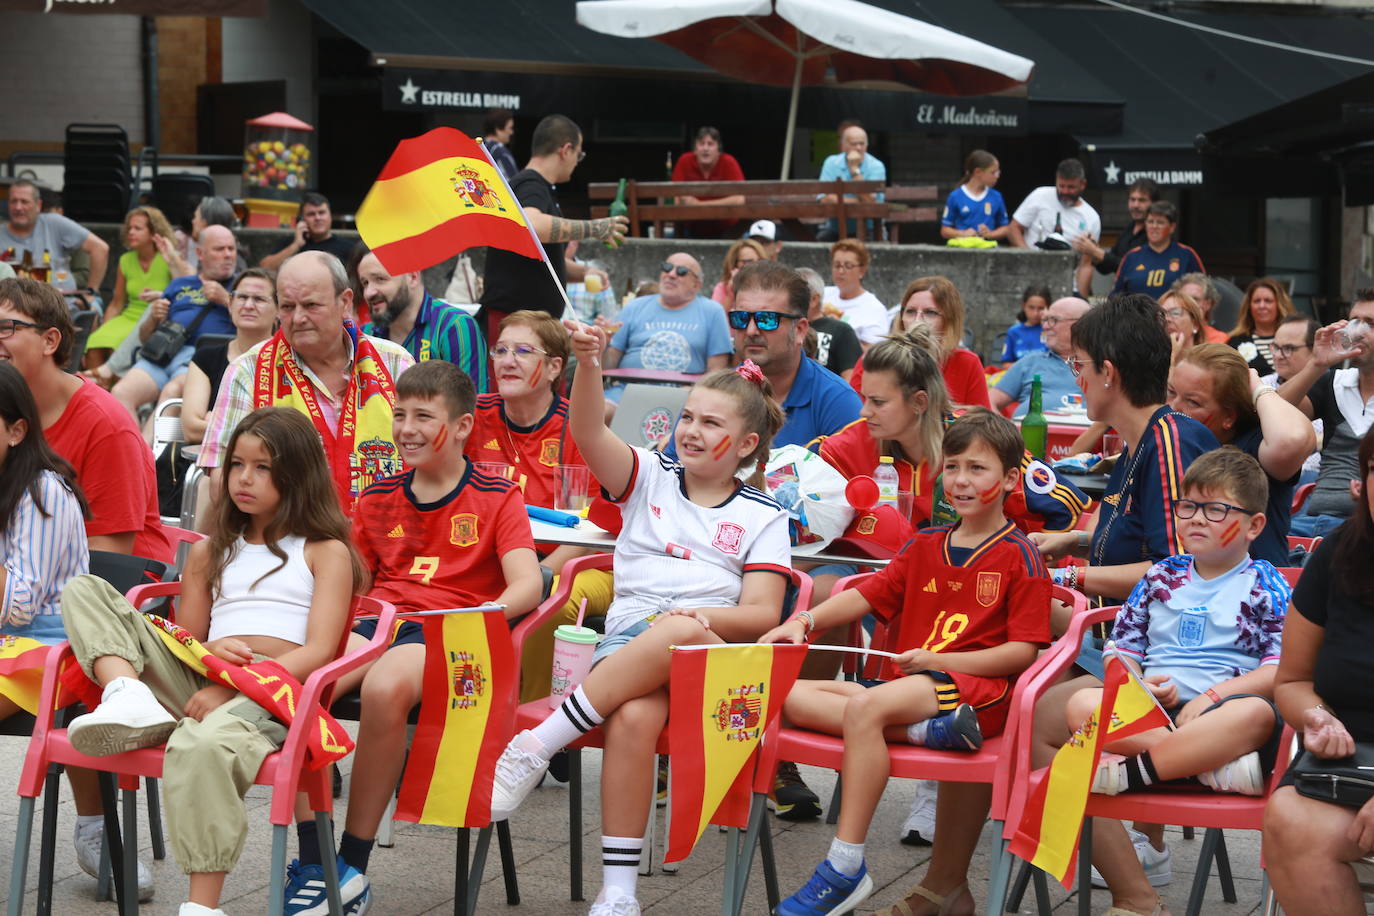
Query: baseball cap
[[878, 533], [764, 229]]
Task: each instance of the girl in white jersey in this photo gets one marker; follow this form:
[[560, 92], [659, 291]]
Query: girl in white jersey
[[702, 558], [273, 580]]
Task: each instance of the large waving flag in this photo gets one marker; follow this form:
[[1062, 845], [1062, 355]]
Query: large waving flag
[[466, 717], [439, 194], [720, 702], [1047, 836]]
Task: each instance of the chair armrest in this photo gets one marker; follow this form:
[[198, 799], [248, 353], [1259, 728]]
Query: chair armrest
[[32, 775], [554, 603], [143, 593]]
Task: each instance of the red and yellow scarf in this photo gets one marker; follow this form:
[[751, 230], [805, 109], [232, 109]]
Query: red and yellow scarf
[[362, 450]]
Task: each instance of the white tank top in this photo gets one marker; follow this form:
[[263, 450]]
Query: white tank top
[[277, 606]]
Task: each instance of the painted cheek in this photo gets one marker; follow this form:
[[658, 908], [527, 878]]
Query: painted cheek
[[1230, 534], [535, 376], [440, 438], [990, 494], [721, 448]]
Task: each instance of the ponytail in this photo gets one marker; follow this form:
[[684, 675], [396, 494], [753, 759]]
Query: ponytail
[[978, 159], [910, 357]]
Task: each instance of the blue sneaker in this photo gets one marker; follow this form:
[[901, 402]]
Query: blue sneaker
[[305, 893], [828, 893], [956, 730]]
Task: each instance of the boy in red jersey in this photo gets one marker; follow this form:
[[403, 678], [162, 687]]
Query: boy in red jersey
[[440, 535], [972, 605]]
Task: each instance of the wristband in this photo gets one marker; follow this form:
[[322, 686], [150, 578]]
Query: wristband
[[808, 620], [1260, 391], [1085, 539], [1209, 692]]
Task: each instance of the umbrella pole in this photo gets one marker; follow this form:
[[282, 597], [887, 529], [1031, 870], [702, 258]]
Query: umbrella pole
[[792, 114]]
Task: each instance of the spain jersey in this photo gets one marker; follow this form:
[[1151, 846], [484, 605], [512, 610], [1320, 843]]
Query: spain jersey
[[429, 556], [944, 601], [533, 452], [1144, 270]]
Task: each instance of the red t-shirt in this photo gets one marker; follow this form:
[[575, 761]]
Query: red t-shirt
[[727, 169], [965, 379], [535, 452], [999, 593], [429, 556], [114, 467]]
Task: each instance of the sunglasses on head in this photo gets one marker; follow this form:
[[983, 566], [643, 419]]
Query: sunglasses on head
[[766, 320], [681, 270]]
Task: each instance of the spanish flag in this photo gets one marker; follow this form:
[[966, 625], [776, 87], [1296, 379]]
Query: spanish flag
[[466, 717], [22, 661], [720, 701], [438, 195], [1047, 836]]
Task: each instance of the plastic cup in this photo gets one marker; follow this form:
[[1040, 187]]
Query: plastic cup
[[593, 283], [904, 503], [1352, 335], [1112, 444], [573, 648], [571, 495], [493, 468], [861, 492]]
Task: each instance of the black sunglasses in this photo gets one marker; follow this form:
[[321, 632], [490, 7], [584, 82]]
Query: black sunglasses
[[766, 321], [681, 270]]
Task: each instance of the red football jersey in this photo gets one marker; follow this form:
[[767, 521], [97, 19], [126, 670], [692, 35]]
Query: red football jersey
[[999, 594], [533, 452], [429, 556]]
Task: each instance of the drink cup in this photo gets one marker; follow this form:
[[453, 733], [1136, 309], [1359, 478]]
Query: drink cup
[[493, 468], [593, 283], [1112, 444], [573, 648], [1352, 335], [904, 503], [570, 494], [1072, 403]]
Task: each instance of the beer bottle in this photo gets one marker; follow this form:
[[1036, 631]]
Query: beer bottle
[[1034, 428], [618, 207]]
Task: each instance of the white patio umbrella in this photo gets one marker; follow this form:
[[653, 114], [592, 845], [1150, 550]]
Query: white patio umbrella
[[796, 42]]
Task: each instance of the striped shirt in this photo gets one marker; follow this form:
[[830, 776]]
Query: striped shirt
[[444, 331], [41, 554]]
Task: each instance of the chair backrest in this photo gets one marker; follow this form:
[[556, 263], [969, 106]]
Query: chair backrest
[[1291, 574], [167, 425], [647, 413], [84, 322], [126, 571], [1300, 495]]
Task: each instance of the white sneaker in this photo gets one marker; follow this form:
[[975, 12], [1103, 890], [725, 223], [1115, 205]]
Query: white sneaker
[[88, 843], [128, 717], [1109, 780], [612, 901], [1242, 775], [1156, 863], [195, 909], [919, 827], [518, 771]]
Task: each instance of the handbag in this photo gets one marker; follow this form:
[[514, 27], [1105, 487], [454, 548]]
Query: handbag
[[168, 338], [1342, 780]]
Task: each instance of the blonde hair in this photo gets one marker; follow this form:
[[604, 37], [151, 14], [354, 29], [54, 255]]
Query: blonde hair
[[1189, 305], [1230, 375], [761, 414], [157, 223], [946, 296], [911, 358]]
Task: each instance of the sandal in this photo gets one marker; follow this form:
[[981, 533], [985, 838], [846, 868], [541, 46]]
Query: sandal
[[1157, 911], [944, 903]]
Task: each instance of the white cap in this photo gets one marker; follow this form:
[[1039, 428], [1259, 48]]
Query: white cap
[[764, 228]]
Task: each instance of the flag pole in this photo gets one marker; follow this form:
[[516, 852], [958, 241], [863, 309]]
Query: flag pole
[[539, 246], [810, 648]]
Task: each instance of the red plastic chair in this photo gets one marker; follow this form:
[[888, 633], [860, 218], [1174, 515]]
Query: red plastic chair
[[1291, 574], [532, 713], [284, 770], [1214, 811], [1300, 496], [992, 763]]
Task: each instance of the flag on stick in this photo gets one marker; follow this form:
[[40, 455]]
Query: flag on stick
[[466, 717], [1047, 836], [720, 702], [438, 195]]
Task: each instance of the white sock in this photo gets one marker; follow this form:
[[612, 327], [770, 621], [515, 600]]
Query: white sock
[[567, 723], [916, 733], [620, 862], [846, 858]]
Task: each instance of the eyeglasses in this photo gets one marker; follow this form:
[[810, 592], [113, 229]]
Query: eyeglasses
[[766, 320], [520, 351], [1287, 350], [9, 325], [1212, 511], [926, 315], [1076, 365], [1050, 321], [682, 270], [1177, 312], [841, 266]]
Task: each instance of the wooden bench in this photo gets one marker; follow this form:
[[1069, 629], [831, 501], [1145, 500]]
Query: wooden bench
[[776, 200]]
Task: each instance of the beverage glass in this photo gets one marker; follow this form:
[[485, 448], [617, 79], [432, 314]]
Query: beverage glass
[[1112, 444], [570, 493], [493, 468], [1352, 335]]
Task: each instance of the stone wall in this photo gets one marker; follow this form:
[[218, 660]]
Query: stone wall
[[991, 281]]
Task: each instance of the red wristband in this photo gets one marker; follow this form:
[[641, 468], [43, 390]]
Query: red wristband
[[1212, 695]]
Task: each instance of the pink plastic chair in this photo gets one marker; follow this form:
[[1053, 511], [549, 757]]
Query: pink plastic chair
[[1214, 811], [532, 713], [284, 770], [992, 763]]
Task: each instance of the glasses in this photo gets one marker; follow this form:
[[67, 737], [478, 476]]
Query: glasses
[[520, 351], [1287, 350], [1212, 511], [9, 325], [1076, 365], [682, 270], [766, 320], [926, 315], [841, 266], [1177, 312], [1050, 321]]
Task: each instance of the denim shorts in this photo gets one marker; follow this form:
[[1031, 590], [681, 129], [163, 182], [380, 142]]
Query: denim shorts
[[164, 374]]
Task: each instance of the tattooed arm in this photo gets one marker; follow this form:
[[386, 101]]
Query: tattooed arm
[[557, 229]]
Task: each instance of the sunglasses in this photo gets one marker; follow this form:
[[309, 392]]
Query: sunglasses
[[766, 320], [682, 270]]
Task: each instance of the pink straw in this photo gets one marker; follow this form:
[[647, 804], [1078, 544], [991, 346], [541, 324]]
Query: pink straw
[[581, 612]]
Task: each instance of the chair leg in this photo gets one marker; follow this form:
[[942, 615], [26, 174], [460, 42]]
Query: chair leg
[[479, 865], [745, 853], [19, 864], [1042, 891], [1204, 870], [460, 871], [114, 846], [1228, 887], [386, 832], [276, 886], [155, 818], [646, 857], [575, 824], [47, 849], [832, 816], [1188, 833], [507, 850], [330, 862], [1000, 872], [1269, 904], [1085, 866], [770, 868], [130, 851]]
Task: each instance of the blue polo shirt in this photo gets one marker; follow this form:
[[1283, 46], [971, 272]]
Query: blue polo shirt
[[1056, 380]]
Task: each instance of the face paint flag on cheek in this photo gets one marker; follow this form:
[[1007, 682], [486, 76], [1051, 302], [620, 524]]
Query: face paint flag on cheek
[[535, 376], [1230, 534], [721, 448], [990, 494], [440, 438]]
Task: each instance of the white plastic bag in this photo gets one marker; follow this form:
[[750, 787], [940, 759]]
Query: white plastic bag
[[812, 492]]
